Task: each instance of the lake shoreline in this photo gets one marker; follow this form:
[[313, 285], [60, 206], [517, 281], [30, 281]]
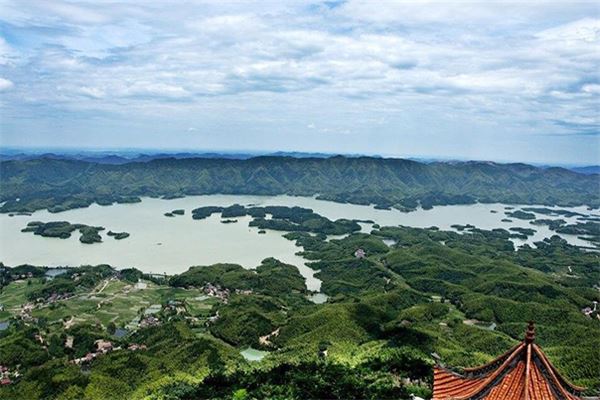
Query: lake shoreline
[[172, 245], [316, 196]]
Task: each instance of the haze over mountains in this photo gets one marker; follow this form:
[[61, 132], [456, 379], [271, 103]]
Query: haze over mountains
[[126, 156], [118, 157]]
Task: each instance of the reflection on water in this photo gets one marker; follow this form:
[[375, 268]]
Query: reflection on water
[[159, 244]]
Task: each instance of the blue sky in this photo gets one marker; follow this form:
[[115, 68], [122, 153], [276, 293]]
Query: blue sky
[[471, 80]]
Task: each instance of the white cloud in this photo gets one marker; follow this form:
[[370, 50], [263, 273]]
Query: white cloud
[[158, 89], [592, 88], [479, 61], [5, 84], [71, 12], [92, 92], [6, 52], [586, 30]]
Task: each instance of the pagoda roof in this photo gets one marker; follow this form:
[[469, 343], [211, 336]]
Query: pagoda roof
[[522, 373]]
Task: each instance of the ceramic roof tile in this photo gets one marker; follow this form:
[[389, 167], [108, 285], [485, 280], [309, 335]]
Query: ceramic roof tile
[[522, 373]]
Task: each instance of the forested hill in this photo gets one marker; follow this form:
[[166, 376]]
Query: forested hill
[[63, 184]]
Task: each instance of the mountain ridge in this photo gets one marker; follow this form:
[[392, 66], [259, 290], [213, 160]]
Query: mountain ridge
[[386, 182]]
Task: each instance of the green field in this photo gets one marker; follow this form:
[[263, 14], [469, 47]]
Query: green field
[[118, 302]]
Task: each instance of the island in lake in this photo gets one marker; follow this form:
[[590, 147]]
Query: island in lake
[[63, 230]]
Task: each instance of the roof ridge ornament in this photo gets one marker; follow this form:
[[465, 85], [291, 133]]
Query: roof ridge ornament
[[523, 372], [530, 333]]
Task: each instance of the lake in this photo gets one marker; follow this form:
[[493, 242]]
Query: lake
[[160, 244]]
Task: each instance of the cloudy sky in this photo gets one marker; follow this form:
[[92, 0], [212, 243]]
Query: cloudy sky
[[471, 80]]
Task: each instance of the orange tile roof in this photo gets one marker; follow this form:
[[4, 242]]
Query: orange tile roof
[[522, 373]]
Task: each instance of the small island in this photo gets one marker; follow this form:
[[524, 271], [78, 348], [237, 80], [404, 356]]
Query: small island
[[90, 234], [63, 230], [588, 230], [173, 196], [174, 213], [382, 207], [553, 224], [519, 214], [461, 228], [551, 211], [523, 231], [282, 218], [19, 213], [118, 235], [205, 212]]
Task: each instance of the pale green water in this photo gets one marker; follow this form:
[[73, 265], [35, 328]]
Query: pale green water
[[251, 354], [159, 244], [318, 298]]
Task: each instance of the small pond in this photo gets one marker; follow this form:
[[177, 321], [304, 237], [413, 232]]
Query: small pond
[[251, 354], [318, 298]]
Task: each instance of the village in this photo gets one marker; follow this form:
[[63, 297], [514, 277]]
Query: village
[[125, 306], [104, 347]]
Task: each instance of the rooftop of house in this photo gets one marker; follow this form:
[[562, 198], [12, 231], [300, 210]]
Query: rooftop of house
[[522, 373]]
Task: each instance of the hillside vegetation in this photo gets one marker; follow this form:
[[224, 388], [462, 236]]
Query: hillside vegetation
[[433, 296], [28, 185]]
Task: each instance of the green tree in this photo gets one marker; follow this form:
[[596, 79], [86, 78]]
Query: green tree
[[240, 394]]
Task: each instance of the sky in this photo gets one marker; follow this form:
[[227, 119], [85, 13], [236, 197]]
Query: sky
[[503, 81]]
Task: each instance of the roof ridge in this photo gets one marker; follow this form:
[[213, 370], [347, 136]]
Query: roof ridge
[[527, 371], [503, 355], [558, 379], [490, 379]]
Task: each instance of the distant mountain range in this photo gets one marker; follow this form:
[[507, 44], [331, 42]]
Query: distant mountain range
[[127, 156], [592, 169], [118, 158]]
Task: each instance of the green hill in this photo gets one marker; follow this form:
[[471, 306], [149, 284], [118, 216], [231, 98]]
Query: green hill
[[63, 184]]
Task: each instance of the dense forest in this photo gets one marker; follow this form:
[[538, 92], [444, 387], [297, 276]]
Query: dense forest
[[29, 185], [413, 298], [394, 301]]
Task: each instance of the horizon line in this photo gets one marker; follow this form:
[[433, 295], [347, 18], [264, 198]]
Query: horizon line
[[66, 150]]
